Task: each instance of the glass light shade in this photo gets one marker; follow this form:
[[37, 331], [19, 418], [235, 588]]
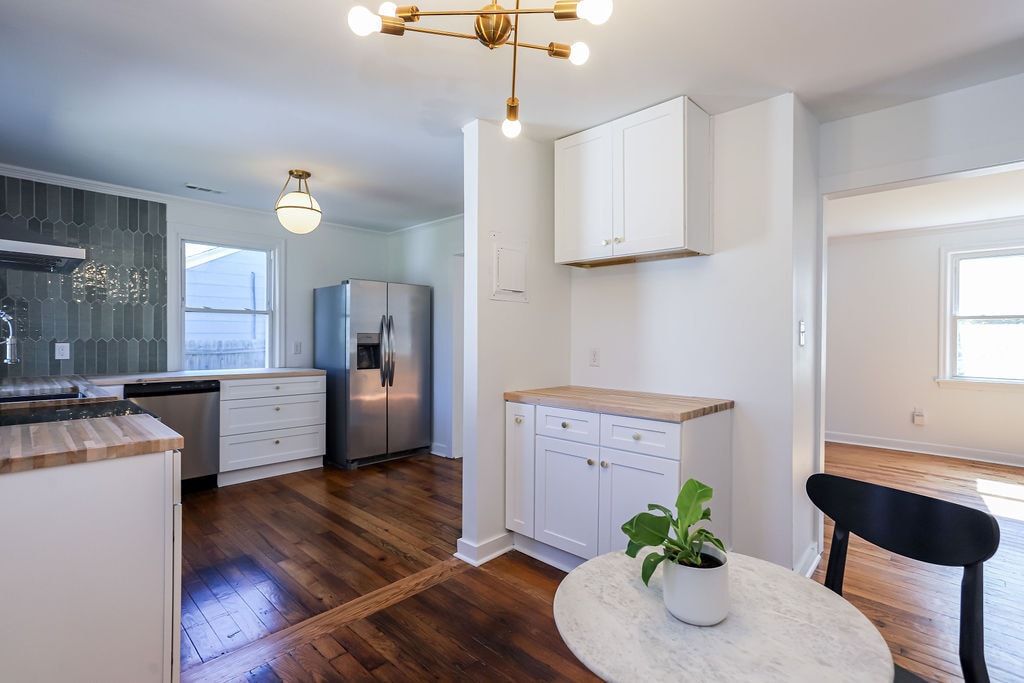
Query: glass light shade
[[363, 22], [511, 129], [594, 11], [579, 53], [298, 212], [388, 9]]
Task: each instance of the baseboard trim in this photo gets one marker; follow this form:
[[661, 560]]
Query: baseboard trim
[[273, 470], [477, 554], [547, 554], [979, 454], [440, 449], [809, 561]]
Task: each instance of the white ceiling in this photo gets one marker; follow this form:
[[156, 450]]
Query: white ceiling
[[230, 94]]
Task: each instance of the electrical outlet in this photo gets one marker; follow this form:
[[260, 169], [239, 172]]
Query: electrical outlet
[[62, 351], [595, 358]]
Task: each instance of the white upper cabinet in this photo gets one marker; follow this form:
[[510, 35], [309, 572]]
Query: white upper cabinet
[[637, 188]]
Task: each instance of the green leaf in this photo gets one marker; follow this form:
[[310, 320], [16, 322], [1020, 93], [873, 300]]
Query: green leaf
[[632, 548], [690, 503], [646, 529], [651, 563], [661, 508]]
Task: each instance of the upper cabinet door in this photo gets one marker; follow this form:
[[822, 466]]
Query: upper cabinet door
[[649, 169], [583, 195]]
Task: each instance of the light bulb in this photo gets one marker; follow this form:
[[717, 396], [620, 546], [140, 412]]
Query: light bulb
[[579, 54], [388, 9], [594, 11], [511, 129], [298, 212], [363, 22]]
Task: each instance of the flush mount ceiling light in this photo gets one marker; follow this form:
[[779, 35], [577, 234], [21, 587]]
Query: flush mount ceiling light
[[297, 210], [493, 27]]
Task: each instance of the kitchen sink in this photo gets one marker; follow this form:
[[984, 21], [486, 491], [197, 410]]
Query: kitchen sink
[[41, 397]]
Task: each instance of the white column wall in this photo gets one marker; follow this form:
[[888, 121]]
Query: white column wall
[[508, 345]]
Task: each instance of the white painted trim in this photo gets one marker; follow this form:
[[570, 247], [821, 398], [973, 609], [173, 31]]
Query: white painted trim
[[969, 384], [980, 455], [547, 554], [440, 449], [478, 554], [264, 471], [808, 560]]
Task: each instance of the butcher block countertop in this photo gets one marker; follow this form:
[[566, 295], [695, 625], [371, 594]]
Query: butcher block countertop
[[248, 373], [666, 407], [66, 442]]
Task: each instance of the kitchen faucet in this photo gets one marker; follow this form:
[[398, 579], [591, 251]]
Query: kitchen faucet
[[11, 344]]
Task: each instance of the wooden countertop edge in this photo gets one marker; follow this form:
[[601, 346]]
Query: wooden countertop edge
[[254, 373], [92, 440], [619, 402]]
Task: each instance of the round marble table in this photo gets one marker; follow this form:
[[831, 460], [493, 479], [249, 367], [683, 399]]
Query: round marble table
[[781, 627]]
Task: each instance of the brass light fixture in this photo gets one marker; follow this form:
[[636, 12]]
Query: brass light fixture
[[297, 210], [493, 26]]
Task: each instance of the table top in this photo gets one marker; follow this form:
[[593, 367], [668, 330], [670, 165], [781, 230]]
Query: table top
[[781, 627]]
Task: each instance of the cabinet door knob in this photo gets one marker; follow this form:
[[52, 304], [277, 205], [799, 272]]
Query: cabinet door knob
[[590, 461], [277, 407], [605, 243], [636, 436], [565, 425], [604, 463], [277, 388], [619, 240], [277, 441], [519, 420]]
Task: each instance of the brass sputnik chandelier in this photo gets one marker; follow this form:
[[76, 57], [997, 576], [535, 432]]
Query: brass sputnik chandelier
[[493, 27]]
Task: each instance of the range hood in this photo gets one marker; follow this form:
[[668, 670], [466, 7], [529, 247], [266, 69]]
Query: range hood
[[22, 249]]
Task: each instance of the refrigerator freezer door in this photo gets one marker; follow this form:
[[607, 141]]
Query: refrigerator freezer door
[[409, 393]]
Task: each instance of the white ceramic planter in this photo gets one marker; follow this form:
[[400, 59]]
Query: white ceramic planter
[[694, 595]]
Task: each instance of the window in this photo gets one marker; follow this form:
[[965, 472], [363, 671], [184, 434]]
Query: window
[[985, 330], [228, 306]]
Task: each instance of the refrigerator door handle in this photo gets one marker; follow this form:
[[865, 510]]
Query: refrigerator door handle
[[384, 350], [391, 351]]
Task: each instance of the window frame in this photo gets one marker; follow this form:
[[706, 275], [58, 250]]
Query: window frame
[[275, 286], [951, 258]]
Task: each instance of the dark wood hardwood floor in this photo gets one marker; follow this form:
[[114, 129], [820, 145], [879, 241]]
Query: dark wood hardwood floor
[[334, 576]]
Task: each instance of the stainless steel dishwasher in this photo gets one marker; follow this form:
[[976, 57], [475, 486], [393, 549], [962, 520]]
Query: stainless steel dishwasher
[[191, 408]]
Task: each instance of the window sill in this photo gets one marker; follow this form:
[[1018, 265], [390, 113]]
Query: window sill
[[974, 384]]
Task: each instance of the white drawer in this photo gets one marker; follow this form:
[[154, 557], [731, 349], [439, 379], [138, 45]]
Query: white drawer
[[240, 451], [231, 389], [278, 412], [563, 423], [650, 437]]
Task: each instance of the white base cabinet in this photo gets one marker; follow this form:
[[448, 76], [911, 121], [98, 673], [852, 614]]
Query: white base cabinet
[[591, 472], [91, 571], [267, 423]]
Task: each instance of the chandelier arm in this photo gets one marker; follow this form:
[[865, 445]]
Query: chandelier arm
[[437, 32], [515, 49], [479, 12], [283, 189]]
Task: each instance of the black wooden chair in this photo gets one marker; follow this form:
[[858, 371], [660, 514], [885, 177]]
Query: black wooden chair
[[921, 528]]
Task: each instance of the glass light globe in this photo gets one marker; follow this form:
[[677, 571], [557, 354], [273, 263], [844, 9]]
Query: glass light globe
[[363, 22], [511, 129], [295, 213], [579, 53], [594, 11], [388, 9]]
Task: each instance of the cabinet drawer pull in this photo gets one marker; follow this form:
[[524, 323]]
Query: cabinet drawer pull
[[590, 461], [277, 388], [277, 441], [604, 463], [277, 407], [519, 420], [565, 425], [636, 436]]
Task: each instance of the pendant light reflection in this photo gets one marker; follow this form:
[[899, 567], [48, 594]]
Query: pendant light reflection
[[297, 211]]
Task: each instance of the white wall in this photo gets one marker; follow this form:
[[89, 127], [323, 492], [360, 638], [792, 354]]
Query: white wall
[[422, 255], [508, 345], [973, 128], [323, 257], [883, 350], [724, 325]]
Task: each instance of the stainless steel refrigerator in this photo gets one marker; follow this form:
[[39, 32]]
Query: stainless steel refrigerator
[[374, 340]]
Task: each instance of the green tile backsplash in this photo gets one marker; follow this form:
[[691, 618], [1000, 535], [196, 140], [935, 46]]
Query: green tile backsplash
[[112, 309]]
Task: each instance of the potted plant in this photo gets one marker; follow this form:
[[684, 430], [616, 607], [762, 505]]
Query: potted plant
[[696, 578]]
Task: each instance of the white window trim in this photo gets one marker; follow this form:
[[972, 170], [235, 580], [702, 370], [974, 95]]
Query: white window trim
[[225, 238], [947, 304]]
